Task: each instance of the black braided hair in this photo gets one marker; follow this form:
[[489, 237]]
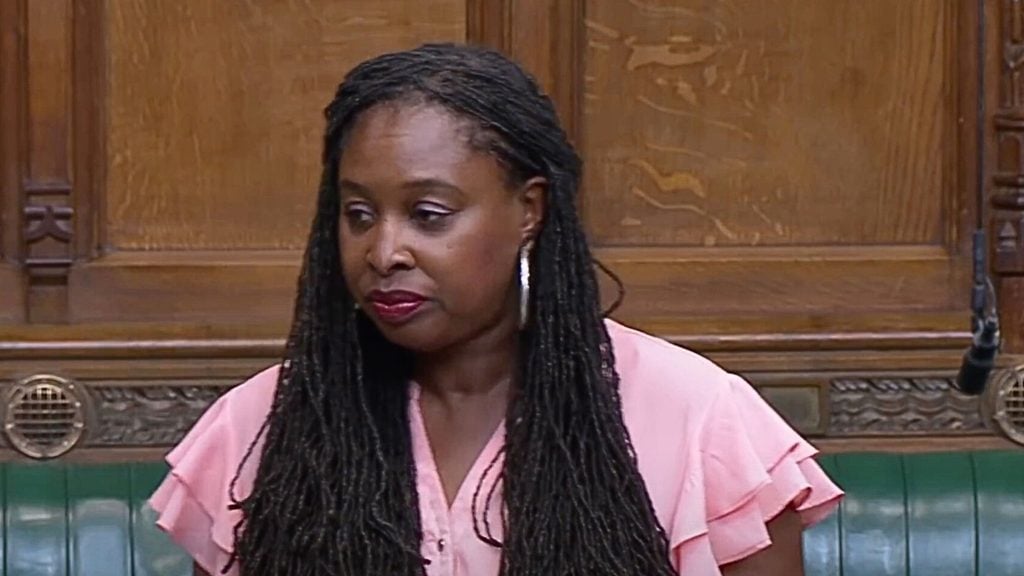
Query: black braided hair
[[335, 489]]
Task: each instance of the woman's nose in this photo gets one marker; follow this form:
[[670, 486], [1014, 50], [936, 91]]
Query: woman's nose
[[388, 252]]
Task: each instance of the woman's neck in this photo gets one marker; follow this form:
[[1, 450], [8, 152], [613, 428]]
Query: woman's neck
[[483, 366]]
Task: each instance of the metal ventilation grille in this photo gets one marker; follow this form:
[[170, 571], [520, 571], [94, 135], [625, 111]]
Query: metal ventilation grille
[[44, 417], [1006, 403]]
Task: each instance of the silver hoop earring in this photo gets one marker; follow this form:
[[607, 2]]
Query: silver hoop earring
[[524, 285]]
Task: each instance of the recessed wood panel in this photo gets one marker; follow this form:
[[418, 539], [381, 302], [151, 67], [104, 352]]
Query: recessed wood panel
[[215, 115], [782, 122]]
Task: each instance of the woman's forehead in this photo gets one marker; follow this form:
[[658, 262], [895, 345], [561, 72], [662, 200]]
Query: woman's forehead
[[394, 143]]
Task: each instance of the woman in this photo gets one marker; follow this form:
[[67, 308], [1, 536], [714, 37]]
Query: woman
[[452, 400]]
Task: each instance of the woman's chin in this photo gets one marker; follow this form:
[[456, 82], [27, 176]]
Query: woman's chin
[[416, 334]]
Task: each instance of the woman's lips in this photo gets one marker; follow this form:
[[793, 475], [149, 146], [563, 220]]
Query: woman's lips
[[395, 306]]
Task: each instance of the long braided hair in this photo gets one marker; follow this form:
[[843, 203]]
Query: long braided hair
[[335, 489]]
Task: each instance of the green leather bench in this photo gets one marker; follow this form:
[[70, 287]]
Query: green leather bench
[[948, 514], [951, 514]]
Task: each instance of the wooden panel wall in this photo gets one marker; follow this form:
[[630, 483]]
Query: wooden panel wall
[[158, 164], [786, 186], [792, 164], [212, 149], [770, 126]]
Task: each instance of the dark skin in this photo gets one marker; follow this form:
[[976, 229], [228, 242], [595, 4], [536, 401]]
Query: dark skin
[[424, 212]]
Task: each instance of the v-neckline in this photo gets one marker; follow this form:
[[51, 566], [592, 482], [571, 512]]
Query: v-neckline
[[424, 456]]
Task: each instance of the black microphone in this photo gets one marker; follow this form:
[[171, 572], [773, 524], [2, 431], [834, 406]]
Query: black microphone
[[980, 358]]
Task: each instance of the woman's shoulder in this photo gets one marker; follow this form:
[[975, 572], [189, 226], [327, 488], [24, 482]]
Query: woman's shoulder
[[232, 423], [195, 502], [719, 463], [253, 396], [655, 374]]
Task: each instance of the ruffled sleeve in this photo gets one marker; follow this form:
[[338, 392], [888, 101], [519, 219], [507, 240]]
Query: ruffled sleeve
[[193, 502], [749, 466]]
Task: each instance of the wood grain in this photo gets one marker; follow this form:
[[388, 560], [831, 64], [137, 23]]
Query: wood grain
[[782, 185], [1011, 292], [232, 287], [12, 153], [546, 37], [1003, 178], [48, 37], [778, 123], [660, 285], [488, 23], [215, 112]]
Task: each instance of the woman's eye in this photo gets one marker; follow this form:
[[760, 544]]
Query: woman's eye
[[431, 216], [358, 216]]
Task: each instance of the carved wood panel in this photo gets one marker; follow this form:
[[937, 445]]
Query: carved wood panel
[[781, 123], [1006, 182], [158, 412], [215, 125], [901, 406], [211, 149], [783, 164], [781, 184], [35, 159]]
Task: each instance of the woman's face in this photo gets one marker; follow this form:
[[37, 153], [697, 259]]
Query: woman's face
[[430, 230]]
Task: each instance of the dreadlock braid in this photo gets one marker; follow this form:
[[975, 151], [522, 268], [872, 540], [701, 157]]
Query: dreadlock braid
[[335, 488]]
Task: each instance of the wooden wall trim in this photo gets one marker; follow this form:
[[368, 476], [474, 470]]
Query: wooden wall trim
[[20, 344], [12, 157], [487, 23], [911, 406], [12, 143], [1004, 174], [48, 179], [231, 286], [547, 38], [154, 350], [89, 116], [129, 410], [912, 445]]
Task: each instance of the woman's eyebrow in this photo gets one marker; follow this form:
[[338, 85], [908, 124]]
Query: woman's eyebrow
[[417, 185], [350, 186], [434, 185]]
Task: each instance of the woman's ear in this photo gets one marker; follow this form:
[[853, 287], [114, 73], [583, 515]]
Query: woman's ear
[[532, 197]]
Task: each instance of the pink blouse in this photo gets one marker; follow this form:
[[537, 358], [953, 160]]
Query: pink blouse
[[717, 461]]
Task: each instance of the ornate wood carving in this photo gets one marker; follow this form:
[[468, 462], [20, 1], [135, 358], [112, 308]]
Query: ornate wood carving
[[144, 416], [1007, 197], [148, 415], [160, 414], [48, 229], [46, 206], [901, 406], [1006, 179]]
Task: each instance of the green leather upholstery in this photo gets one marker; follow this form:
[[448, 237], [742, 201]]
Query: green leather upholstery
[[951, 514], [946, 514], [88, 520]]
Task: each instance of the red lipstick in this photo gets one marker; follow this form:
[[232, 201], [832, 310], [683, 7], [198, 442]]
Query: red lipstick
[[395, 306]]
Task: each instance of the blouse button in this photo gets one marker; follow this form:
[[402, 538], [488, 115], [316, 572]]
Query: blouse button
[[440, 545]]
